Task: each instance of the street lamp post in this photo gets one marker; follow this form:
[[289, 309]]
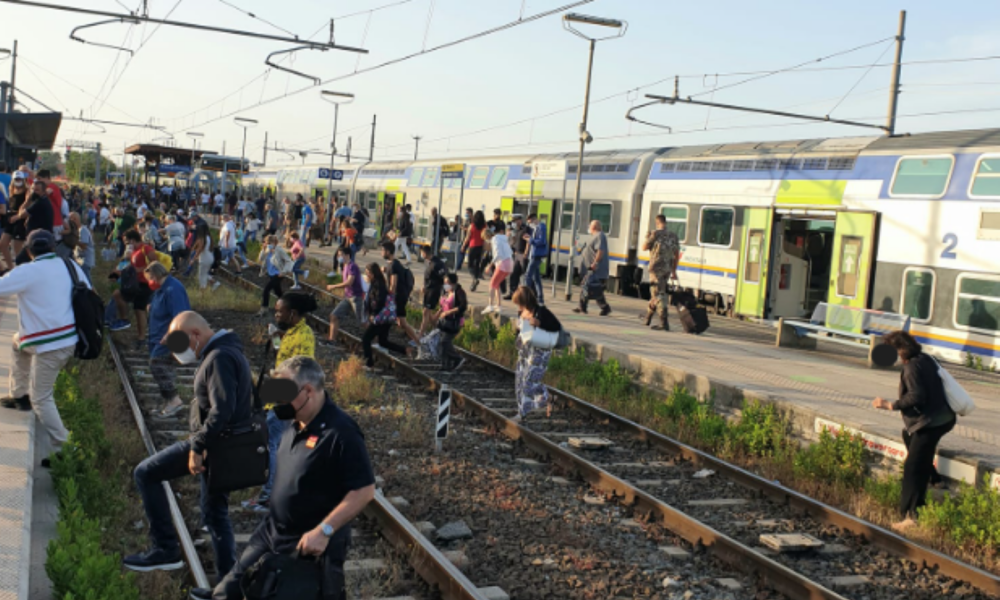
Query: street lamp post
[[585, 138], [336, 99], [245, 124]]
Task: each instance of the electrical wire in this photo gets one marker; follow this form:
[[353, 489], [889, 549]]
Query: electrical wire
[[261, 19], [21, 57], [401, 59], [47, 88], [860, 79]]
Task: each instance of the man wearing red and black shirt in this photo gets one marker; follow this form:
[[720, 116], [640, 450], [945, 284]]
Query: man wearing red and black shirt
[[56, 198], [141, 255]]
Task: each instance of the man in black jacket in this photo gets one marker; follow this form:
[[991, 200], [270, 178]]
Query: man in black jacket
[[223, 389], [442, 230], [434, 276], [520, 247]]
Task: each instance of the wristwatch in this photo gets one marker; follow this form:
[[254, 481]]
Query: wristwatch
[[326, 529]]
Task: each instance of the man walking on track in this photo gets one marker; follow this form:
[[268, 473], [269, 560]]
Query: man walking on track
[[664, 252], [46, 334], [539, 250], [594, 268]]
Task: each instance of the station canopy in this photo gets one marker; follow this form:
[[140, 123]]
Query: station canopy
[[24, 134], [164, 158]]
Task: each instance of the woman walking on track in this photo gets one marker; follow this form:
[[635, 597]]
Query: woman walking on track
[[275, 263], [473, 247], [439, 344], [927, 417], [380, 307], [503, 264], [532, 361], [202, 255]]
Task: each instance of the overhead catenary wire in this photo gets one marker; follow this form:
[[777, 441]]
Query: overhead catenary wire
[[860, 79], [261, 19]]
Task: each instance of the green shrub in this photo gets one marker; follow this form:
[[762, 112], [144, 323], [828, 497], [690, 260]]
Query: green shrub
[[761, 431], [885, 490], [973, 516], [840, 458]]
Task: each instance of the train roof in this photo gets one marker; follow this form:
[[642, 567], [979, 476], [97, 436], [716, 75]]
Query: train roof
[[966, 139]]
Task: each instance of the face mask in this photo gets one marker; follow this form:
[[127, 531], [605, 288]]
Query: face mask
[[270, 248], [340, 259], [187, 357], [154, 285], [447, 287], [284, 412]]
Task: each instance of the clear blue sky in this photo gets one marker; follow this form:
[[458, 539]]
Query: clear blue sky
[[180, 77]]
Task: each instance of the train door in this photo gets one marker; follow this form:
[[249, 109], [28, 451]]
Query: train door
[[751, 293], [545, 209], [385, 208], [853, 259], [801, 260]]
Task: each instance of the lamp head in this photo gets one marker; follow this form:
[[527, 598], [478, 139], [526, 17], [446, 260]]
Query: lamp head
[[245, 122], [337, 97], [591, 20]]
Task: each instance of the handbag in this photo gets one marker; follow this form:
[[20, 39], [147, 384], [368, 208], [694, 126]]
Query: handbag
[[283, 577], [958, 399], [388, 312], [538, 338], [450, 324]]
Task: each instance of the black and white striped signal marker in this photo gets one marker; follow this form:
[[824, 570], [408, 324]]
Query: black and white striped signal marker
[[443, 416]]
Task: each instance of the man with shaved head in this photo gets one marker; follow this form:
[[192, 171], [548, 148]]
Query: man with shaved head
[[223, 390], [594, 270]]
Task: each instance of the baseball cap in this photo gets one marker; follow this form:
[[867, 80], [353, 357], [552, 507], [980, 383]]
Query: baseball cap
[[41, 241], [19, 176]]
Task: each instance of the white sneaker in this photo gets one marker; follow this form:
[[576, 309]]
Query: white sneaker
[[305, 275], [216, 285], [489, 308]]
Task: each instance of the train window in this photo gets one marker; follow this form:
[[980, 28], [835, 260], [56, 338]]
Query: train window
[[850, 266], [716, 227], [479, 175], [977, 305], [918, 293], [499, 177], [567, 216], [924, 176], [755, 250], [416, 176], [986, 183], [430, 177], [601, 212], [677, 220]]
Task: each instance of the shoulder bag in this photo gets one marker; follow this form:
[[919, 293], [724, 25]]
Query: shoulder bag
[[283, 577], [958, 399]]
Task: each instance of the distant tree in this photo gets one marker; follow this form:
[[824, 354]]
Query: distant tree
[[80, 166], [51, 161]]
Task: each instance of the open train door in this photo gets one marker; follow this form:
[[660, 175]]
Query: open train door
[[853, 259], [751, 291]]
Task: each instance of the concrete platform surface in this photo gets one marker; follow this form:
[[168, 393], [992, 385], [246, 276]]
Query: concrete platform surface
[[737, 359]]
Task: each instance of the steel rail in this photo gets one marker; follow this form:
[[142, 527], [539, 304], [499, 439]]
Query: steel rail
[[878, 536], [727, 549], [197, 570]]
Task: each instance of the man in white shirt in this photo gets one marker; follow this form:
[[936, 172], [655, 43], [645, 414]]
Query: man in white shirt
[[205, 197], [141, 213], [104, 223], [227, 243], [46, 337], [217, 208]]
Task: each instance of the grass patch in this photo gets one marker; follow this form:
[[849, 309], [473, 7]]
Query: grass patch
[[489, 341], [351, 384]]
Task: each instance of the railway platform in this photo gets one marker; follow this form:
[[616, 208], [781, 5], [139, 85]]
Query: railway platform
[[736, 360], [28, 508]]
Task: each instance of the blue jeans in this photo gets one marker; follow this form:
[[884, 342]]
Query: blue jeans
[[172, 463], [297, 269], [533, 278], [275, 429]]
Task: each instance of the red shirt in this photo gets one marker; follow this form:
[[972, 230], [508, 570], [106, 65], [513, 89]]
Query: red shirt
[[141, 258], [55, 197], [475, 237]]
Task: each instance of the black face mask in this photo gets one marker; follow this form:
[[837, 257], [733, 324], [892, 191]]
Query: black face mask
[[284, 412], [283, 325]]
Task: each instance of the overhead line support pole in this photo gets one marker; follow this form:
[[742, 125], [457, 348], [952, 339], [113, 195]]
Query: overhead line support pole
[[13, 78], [897, 68], [147, 19], [371, 149]]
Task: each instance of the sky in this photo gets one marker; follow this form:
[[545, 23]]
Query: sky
[[515, 91]]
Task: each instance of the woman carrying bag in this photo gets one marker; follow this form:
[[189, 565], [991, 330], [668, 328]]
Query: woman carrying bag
[[439, 343], [381, 310], [533, 356], [927, 417]]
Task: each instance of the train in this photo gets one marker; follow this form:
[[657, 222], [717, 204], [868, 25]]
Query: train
[[904, 224]]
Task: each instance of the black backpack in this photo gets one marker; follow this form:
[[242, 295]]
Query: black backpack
[[88, 312], [128, 282], [283, 577]]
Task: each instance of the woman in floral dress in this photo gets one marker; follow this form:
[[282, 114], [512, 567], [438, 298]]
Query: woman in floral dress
[[532, 362]]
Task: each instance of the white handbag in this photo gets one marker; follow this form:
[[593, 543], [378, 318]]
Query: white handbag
[[958, 399], [538, 338]]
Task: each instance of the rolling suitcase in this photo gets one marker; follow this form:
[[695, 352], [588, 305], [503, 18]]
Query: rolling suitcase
[[693, 318]]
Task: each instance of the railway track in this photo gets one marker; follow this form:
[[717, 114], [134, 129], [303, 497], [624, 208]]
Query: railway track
[[729, 512], [389, 556]]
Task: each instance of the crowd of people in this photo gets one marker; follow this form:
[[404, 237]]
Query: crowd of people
[[320, 475]]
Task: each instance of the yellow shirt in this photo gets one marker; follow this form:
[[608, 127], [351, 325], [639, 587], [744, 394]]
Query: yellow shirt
[[297, 341]]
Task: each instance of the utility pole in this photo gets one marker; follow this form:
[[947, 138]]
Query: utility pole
[[371, 149], [13, 78], [97, 161], [348, 149], [897, 67], [416, 148], [265, 147]]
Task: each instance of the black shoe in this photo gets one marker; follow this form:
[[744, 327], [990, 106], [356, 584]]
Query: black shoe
[[508, 297], [475, 284], [154, 559], [200, 594], [580, 310], [21, 403], [605, 311]]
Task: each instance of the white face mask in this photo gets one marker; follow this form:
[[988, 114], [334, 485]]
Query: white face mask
[[447, 287], [187, 357], [340, 259]]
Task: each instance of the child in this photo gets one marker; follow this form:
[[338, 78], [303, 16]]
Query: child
[[252, 227]]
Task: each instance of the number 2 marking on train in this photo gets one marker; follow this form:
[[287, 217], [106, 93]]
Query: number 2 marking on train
[[952, 240]]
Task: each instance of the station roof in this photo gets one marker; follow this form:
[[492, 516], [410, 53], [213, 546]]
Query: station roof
[[35, 130], [154, 153]]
